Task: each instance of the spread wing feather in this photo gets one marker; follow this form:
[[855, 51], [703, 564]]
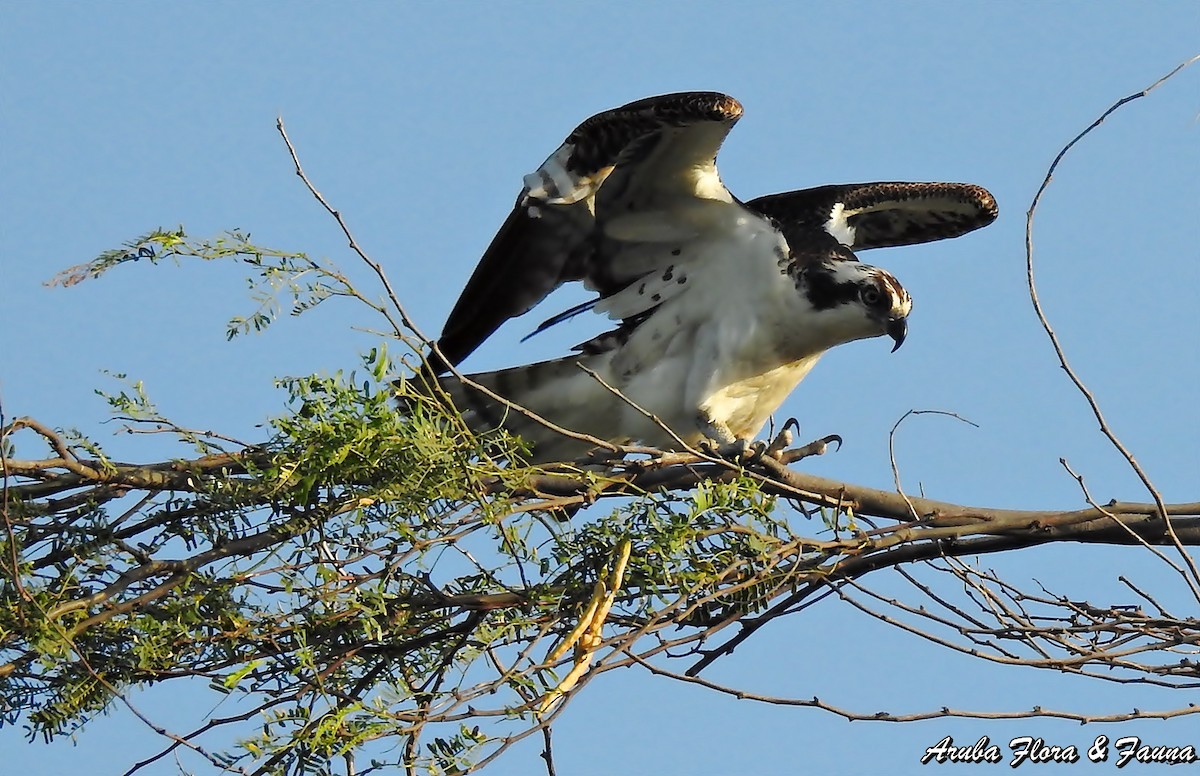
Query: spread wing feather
[[621, 205], [630, 161], [878, 215]]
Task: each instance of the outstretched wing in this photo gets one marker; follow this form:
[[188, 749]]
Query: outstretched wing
[[878, 215], [622, 168]]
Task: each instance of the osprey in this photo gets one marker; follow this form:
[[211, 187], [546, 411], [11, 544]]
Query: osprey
[[722, 306]]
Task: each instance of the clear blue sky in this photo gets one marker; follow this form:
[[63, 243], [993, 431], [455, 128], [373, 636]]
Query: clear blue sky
[[418, 121]]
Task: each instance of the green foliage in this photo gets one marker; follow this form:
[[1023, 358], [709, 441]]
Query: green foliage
[[355, 561], [371, 571], [276, 275]]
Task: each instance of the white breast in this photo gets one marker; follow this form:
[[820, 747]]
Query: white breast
[[726, 343]]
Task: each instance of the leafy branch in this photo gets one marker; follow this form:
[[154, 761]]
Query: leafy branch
[[373, 582]]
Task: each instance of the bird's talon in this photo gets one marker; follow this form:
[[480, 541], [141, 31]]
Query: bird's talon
[[738, 450], [816, 447], [783, 440]]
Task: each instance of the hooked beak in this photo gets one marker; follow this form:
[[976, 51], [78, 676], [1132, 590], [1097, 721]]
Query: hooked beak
[[897, 329]]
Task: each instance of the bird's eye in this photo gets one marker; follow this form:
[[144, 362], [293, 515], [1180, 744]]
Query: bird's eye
[[871, 296]]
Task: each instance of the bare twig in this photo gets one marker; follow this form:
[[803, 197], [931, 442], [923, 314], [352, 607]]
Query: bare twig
[[548, 751], [892, 451], [942, 713], [1193, 579], [377, 268], [1117, 522], [14, 550]]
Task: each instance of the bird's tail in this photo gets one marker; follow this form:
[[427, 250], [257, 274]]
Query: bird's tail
[[557, 391]]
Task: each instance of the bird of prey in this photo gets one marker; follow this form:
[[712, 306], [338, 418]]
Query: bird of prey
[[721, 306]]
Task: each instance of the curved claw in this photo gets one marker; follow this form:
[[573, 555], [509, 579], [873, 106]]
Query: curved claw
[[783, 440], [816, 447]]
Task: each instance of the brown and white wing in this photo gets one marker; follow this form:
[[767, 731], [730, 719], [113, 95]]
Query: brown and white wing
[[648, 156], [879, 215]]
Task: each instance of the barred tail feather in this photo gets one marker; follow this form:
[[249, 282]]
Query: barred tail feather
[[557, 390]]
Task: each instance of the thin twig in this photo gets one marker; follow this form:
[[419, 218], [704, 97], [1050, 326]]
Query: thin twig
[[885, 716], [1194, 579], [1087, 496], [892, 451], [13, 548], [405, 319], [548, 751]]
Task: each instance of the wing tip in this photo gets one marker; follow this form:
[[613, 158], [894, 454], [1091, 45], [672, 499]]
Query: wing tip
[[988, 207], [710, 106], [981, 204]]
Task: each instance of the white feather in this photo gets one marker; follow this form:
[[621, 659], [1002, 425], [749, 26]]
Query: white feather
[[838, 226]]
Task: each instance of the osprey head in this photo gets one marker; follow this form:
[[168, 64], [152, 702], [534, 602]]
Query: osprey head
[[852, 300]]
